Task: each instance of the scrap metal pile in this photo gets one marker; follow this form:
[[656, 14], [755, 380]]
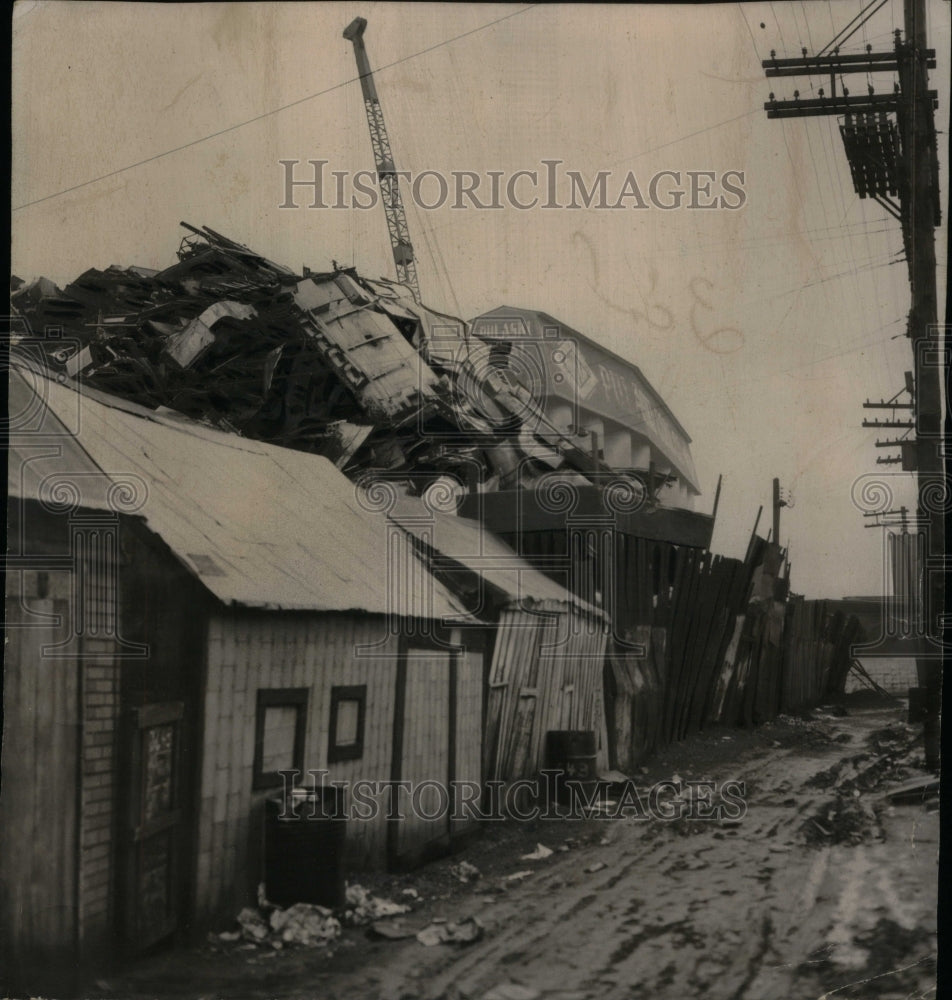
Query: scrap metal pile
[[331, 363]]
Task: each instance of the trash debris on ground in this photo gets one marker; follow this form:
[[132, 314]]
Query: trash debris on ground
[[915, 790], [253, 926], [464, 932], [596, 867], [361, 907], [538, 854], [465, 872], [304, 924], [841, 820], [891, 757], [613, 778], [512, 991], [394, 930], [518, 876], [836, 711]]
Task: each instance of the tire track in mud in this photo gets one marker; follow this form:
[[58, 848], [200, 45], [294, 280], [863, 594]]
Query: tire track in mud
[[737, 912], [610, 927], [501, 949]]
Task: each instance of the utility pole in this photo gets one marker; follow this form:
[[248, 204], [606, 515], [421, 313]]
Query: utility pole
[[776, 511], [917, 132], [890, 143]]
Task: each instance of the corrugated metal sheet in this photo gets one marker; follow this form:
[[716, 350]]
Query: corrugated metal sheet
[[41, 448], [470, 544], [546, 674], [259, 525]]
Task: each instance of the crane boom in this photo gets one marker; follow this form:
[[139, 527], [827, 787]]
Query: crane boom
[[389, 182]]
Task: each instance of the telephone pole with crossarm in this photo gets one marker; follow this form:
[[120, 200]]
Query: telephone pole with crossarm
[[890, 143]]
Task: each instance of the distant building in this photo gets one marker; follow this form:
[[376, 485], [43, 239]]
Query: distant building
[[600, 399]]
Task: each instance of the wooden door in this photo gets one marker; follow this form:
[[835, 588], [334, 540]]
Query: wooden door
[[422, 753], [154, 818], [426, 748]]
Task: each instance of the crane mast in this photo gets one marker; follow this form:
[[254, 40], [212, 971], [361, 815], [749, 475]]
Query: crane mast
[[383, 157]]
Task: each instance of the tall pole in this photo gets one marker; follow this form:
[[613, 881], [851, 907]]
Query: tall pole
[[776, 512], [917, 129], [881, 168]]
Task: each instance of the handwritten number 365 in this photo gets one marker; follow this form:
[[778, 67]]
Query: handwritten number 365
[[722, 340]]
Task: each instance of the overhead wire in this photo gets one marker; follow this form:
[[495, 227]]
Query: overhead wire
[[836, 40], [879, 7], [274, 111], [806, 128], [872, 261]]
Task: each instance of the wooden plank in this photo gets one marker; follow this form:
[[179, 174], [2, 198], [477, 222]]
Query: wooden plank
[[706, 605], [526, 635], [16, 809], [732, 568], [469, 721], [703, 610], [522, 728], [55, 833], [396, 764], [452, 729], [684, 637], [549, 669], [674, 645], [710, 641], [426, 747]]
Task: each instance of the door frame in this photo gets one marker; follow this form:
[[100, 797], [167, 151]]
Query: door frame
[[137, 720], [440, 641]]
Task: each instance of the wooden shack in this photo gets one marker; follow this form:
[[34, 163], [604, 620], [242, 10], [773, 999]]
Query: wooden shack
[[189, 614]]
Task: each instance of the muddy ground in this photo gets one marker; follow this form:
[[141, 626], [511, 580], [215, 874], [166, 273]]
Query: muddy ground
[[823, 889]]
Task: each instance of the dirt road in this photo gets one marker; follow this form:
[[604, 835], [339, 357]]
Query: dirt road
[[822, 889]]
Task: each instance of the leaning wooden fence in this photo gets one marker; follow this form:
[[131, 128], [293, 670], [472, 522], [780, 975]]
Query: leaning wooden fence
[[817, 640], [697, 639], [665, 676], [723, 643]]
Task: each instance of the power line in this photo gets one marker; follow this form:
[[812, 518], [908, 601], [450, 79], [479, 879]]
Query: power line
[[690, 135], [268, 114], [836, 40]]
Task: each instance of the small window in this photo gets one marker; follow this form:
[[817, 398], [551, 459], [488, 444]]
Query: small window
[[348, 707], [279, 734]]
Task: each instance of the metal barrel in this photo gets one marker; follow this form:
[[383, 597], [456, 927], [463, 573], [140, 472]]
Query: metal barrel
[[573, 752]]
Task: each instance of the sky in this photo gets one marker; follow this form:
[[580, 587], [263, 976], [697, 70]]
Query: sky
[[764, 327]]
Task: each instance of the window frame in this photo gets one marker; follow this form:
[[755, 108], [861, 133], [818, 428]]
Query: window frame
[[296, 698], [350, 751]]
